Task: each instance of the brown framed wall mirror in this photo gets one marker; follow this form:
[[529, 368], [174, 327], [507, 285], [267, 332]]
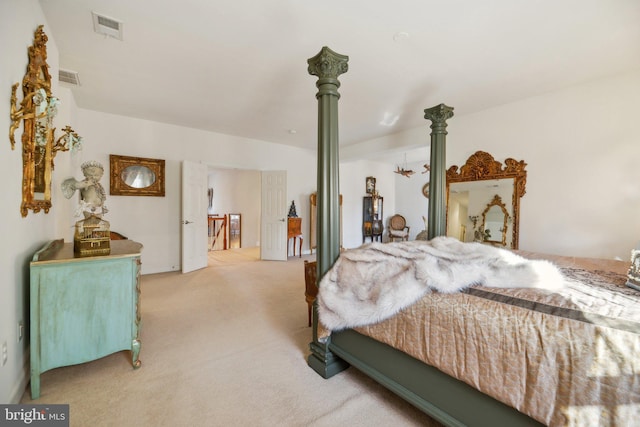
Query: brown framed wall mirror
[[136, 176], [471, 196]]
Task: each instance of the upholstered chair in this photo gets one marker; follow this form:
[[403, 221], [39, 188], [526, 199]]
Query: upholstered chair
[[398, 228]]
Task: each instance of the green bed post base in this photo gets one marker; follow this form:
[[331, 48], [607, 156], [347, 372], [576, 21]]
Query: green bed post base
[[327, 65], [324, 362]]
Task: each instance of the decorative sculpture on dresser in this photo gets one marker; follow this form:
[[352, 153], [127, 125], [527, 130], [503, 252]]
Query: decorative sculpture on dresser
[[91, 236], [92, 194]]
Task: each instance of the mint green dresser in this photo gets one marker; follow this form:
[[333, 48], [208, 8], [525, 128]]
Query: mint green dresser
[[83, 309]]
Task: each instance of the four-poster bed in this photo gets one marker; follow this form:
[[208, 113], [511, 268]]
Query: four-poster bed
[[473, 357]]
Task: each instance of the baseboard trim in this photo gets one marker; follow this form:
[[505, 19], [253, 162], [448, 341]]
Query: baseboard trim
[[23, 382]]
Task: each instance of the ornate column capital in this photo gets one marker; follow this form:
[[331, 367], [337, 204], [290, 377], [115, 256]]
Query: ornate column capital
[[328, 65], [439, 116]]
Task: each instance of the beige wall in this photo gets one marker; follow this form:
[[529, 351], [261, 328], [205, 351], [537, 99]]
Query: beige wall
[[582, 147], [155, 221]]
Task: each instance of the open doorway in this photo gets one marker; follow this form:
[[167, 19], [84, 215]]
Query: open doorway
[[234, 200]]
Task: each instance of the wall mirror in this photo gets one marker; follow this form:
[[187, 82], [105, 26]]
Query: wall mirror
[[495, 219], [136, 176], [472, 190], [36, 112]]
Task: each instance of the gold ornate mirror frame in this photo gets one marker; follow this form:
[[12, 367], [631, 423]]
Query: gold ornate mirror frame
[[37, 136], [497, 201], [36, 112], [123, 167], [482, 166]]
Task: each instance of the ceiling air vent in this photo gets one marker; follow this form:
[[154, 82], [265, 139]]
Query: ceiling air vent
[[107, 26], [70, 77]]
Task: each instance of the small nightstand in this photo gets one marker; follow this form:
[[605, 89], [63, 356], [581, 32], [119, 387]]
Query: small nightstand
[[294, 230]]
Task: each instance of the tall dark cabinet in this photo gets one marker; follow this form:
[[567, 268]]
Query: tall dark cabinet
[[372, 219]]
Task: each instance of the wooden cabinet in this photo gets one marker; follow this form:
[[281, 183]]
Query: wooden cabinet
[[372, 226], [83, 309], [294, 231]]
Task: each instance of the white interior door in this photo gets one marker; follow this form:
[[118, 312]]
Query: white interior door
[[273, 228], [194, 216]]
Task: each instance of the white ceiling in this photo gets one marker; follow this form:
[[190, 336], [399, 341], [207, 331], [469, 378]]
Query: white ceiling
[[239, 67]]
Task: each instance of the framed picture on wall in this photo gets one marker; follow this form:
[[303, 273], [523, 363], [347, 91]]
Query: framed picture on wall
[[371, 185]]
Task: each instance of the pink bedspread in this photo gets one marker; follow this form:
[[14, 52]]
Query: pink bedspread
[[566, 358]]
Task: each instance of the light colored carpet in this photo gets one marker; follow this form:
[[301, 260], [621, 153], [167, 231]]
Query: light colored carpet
[[223, 346]]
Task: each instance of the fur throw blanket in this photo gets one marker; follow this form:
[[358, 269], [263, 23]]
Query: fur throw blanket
[[377, 280]]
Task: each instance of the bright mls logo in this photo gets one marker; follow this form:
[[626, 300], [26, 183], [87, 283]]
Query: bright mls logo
[[34, 415]]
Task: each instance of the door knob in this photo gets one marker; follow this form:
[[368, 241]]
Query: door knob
[[185, 222]]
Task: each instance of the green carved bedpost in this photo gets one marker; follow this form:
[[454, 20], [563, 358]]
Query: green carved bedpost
[[327, 65], [437, 221]]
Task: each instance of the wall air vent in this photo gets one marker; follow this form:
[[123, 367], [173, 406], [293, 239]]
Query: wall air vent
[[70, 77], [107, 26]]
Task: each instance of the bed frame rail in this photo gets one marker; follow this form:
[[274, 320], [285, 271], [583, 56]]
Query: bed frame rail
[[445, 399]]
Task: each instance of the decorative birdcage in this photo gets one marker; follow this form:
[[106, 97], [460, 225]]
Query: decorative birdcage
[[92, 237]]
